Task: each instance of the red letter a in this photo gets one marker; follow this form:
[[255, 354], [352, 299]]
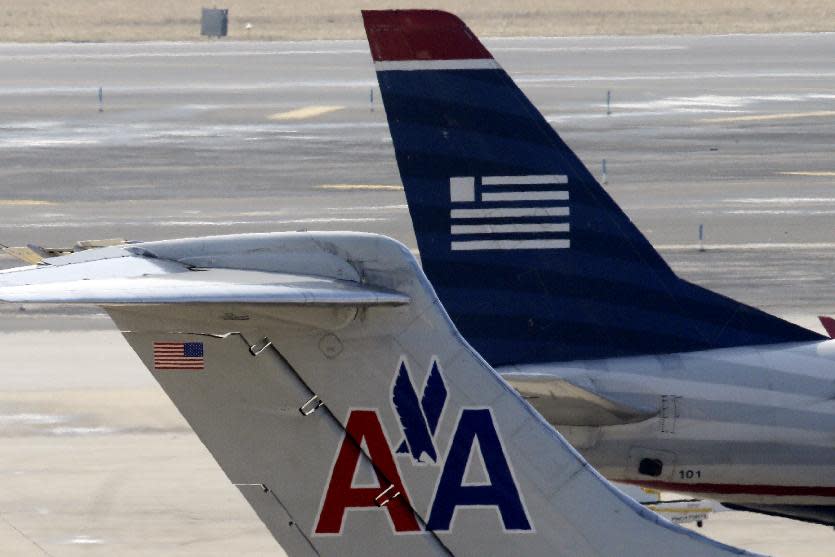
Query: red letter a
[[341, 495]]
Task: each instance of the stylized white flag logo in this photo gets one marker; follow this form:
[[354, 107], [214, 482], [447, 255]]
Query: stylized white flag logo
[[512, 212]]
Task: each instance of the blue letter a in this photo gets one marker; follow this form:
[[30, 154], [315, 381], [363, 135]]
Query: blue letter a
[[501, 492]]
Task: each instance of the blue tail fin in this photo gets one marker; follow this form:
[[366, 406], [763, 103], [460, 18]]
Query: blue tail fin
[[529, 255]]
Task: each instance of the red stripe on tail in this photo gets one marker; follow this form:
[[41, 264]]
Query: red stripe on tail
[[398, 35]]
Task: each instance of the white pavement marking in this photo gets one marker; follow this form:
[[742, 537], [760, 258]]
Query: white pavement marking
[[781, 246], [768, 117], [338, 187]]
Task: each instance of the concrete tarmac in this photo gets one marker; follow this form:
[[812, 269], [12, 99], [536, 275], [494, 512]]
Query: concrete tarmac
[[732, 132]]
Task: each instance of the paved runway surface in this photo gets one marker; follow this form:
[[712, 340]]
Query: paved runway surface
[[733, 132]]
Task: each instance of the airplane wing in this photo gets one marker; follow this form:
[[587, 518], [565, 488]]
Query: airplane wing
[[562, 403], [136, 275], [298, 408], [176, 284]]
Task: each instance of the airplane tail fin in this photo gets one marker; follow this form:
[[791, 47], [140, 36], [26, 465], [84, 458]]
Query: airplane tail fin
[[325, 378], [528, 253]]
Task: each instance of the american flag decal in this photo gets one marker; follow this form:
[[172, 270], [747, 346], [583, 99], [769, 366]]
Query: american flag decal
[[178, 356], [509, 212]]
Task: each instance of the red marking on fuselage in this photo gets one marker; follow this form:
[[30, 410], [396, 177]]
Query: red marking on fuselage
[[364, 425], [828, 324], [738, 489]]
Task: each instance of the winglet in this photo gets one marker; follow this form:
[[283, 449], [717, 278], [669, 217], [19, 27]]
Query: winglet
[[828, 324], [406, 35]]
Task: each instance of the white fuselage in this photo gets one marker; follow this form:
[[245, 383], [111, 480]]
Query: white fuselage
[[742, 425]]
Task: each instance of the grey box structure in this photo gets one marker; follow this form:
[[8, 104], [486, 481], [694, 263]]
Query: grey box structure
[[215, 22]]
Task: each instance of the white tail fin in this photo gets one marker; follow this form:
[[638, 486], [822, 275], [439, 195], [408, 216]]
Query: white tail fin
[[371, 428]]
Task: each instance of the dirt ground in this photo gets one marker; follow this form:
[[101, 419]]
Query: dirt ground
[[153, 20]]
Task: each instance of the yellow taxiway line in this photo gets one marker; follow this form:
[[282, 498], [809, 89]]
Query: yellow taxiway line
[[23, 202], [360, 187], [823, 173], [699, 510], [304, 112], [767, 117]]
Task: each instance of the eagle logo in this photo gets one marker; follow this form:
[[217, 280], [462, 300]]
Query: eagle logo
[[419, 419]]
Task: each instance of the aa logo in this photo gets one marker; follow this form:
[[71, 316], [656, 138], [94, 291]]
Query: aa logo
[[475, 438]]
